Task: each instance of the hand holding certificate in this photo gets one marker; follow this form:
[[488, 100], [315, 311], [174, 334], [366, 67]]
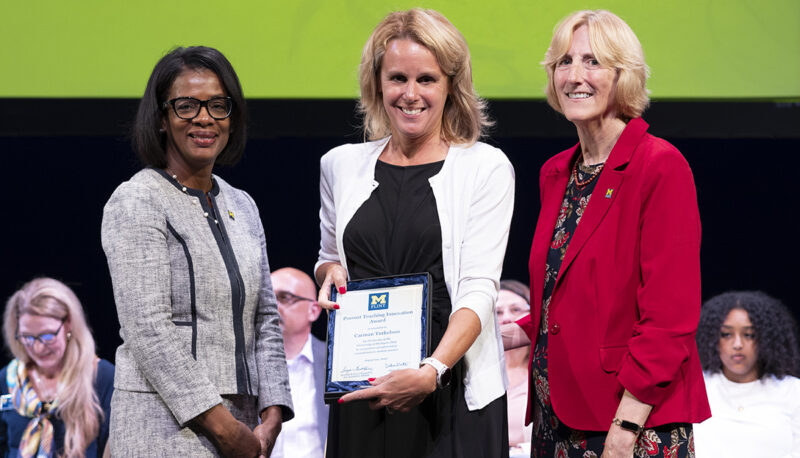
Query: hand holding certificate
[[381, 326]]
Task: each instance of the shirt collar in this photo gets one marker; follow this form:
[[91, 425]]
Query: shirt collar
[[306, 351]]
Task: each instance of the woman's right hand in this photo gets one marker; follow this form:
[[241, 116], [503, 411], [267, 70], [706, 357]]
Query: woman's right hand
[[231, 437], [331, 273], [513, 336]]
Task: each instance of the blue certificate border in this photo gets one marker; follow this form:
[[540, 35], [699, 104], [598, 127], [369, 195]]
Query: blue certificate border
[[335, 390]]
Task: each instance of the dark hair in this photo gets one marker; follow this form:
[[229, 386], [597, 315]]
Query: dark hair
[[774, 327], [148, 139], [518, 288]]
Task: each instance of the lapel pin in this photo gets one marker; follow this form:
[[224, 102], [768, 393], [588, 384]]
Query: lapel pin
[[609, 193], [230, 213]]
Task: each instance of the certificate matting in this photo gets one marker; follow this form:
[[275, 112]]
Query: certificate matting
[[381, 325]]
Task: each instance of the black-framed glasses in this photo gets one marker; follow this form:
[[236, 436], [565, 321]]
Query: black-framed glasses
[[287, 299], [47, 338], [188, 108]]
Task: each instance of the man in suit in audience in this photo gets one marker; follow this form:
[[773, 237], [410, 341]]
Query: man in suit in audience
[[305, 434]]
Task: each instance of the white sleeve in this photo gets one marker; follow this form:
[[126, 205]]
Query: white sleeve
[[484, 245], [328, 252]]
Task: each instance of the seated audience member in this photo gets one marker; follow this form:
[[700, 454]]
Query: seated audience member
[[748, 346], [305, 356], [512, 304], [56, 393]]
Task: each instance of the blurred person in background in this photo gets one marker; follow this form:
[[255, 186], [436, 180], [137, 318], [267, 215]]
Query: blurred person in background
[[748, 345], [304, 435], [56, 392], [512, 304]]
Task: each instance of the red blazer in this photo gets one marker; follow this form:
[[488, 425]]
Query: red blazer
[[626, 303]]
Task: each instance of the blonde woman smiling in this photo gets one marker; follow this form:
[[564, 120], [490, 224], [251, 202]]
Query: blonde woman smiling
[[56, 391], [423, 195]]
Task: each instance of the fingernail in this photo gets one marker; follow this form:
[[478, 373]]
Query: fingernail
[[341, 401], [336, 306], [371, 379], [342, 290]]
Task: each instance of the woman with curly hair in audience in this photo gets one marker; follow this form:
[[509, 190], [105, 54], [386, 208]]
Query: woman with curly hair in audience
[[56, 391], [749, 350]]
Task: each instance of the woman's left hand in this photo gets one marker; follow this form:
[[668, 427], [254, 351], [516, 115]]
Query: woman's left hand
[[619, 443], [404, 389], [398, 390], [267, 432]]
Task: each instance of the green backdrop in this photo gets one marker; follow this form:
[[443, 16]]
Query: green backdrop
[[697, 49]]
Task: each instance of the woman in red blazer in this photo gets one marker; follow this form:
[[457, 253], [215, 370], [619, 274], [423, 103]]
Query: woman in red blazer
[[615, 278]]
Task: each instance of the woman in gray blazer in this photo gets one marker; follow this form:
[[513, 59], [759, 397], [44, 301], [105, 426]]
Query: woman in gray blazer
[[202, 357]]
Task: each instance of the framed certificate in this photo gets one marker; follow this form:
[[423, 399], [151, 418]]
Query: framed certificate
[[382, 325]]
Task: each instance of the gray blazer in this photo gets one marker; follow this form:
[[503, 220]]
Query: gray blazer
[[319, 351], [194, 297]]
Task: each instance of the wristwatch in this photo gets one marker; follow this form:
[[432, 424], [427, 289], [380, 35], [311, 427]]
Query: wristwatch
[[442, 371], [628, 425]]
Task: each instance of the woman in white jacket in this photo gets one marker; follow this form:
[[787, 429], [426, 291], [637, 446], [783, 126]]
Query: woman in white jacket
[[422, 195]]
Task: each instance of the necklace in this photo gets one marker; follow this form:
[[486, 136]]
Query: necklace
[[183, 186], [185, 191], [582, 184], [46, 394], [738, 395]]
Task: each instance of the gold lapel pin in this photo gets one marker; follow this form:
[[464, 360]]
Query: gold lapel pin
[[609, 193]]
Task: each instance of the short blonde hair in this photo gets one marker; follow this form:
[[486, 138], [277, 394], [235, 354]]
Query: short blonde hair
[[464, 117], [614, 45], [78, 405]]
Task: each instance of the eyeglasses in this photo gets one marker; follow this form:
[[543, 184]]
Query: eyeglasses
[[287, 299], [189, 107], [48, 338]]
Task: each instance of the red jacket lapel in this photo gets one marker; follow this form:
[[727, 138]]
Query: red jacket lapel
[[609, 185], [552, 185]]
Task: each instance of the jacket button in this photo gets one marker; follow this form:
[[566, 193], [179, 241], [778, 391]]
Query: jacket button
[[554, 328]]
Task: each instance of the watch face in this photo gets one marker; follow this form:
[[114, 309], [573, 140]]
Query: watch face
[[630, 426], [444, 379]]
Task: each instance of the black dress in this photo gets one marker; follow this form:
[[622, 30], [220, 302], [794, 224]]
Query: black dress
[[396, 231], [551, 437]]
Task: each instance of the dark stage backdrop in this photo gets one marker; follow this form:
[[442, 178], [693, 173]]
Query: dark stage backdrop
[[63, 158]]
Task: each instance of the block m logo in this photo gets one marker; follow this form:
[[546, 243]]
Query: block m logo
[[378, 301]]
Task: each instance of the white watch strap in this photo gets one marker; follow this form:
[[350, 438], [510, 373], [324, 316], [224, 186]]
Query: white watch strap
[[439, 366]]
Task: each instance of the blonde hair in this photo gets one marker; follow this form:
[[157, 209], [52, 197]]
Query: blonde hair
[[464, 118], [614, 45], [78, 405]]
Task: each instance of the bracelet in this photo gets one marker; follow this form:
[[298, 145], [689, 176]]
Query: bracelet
[[628, 425]]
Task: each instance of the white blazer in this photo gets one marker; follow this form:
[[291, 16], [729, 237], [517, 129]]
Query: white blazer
[[474, 194]]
